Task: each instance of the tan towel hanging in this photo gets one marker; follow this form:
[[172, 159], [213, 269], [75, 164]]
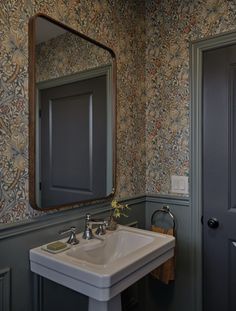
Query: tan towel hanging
[[166, 272]]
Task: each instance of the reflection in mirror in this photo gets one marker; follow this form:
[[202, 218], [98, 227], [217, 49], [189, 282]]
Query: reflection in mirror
[[71, 116]]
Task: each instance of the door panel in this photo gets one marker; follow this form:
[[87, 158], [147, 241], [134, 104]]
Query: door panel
[[73, 116], [71, 122], [219, 178]]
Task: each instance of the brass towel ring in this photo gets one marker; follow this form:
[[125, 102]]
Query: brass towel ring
[[164, 209]]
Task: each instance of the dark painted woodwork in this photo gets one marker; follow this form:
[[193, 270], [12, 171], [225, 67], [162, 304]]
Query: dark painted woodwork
[[177, 295], [73, 116], [5, 293], [219, 179]]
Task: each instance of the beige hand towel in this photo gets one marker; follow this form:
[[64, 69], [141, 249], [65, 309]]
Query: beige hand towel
[[166, 272]]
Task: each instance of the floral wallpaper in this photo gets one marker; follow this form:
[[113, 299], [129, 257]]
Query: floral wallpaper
[[68, 54], [170, 27], [151, 40], [117, 24]]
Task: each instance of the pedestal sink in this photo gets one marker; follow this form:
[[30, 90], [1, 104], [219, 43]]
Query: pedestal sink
[[103, 268]]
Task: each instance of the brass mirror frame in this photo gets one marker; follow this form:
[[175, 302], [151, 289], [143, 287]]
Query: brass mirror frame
[[32, 117]]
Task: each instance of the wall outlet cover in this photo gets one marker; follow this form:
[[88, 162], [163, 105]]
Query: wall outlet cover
[[179, 184]]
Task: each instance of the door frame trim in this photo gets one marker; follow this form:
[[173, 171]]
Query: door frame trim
[[196, 54]]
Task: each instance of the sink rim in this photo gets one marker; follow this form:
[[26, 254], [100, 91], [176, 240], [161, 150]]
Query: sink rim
[[100, 276]]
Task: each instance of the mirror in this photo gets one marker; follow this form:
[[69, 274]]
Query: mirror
[[72, 103]]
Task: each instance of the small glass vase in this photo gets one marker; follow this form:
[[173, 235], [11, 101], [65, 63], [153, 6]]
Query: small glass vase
[[112, 224]]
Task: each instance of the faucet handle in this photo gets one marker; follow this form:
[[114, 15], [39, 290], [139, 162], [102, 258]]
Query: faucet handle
[[72, 235], [88, 217], [71, 229], [101, 229], [106, 223]]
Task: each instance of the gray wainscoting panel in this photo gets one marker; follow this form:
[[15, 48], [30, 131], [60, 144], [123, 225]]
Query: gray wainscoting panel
[[21, 290], [5, 289], [136, 213], [178, 295], [31, 293]]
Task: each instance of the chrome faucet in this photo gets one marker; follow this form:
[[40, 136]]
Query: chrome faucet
[[72, 236], [89, 223]]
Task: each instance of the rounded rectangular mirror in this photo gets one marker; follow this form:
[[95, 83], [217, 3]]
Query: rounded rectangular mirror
[[72, 81]]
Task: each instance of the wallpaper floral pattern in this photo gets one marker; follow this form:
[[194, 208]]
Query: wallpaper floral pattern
[[151, 40], [68, 54], [117, 24], [170, 27]]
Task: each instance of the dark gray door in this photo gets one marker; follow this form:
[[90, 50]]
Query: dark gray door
[[73, 142], [219, 179]]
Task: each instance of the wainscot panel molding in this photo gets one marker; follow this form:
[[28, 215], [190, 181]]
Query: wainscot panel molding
[[29, 292], [5, 289], [37, 297], [167, 199], [177, 295], [26, 292]]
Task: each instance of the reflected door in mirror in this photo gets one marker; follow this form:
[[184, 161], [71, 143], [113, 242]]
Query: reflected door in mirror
[[73, 116]]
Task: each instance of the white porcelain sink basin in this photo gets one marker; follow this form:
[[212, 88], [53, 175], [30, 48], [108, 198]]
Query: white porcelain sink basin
[[101, 269], [114, 247]]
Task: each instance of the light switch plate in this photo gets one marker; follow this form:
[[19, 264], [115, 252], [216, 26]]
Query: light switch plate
[[179, 184]]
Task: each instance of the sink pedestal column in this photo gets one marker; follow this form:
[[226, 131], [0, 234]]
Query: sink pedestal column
[[114, 304]]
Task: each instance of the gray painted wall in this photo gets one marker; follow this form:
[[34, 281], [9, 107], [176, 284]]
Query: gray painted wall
[[20, 290]]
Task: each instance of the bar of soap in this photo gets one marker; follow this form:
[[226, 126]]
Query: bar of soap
[[56, 246]]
